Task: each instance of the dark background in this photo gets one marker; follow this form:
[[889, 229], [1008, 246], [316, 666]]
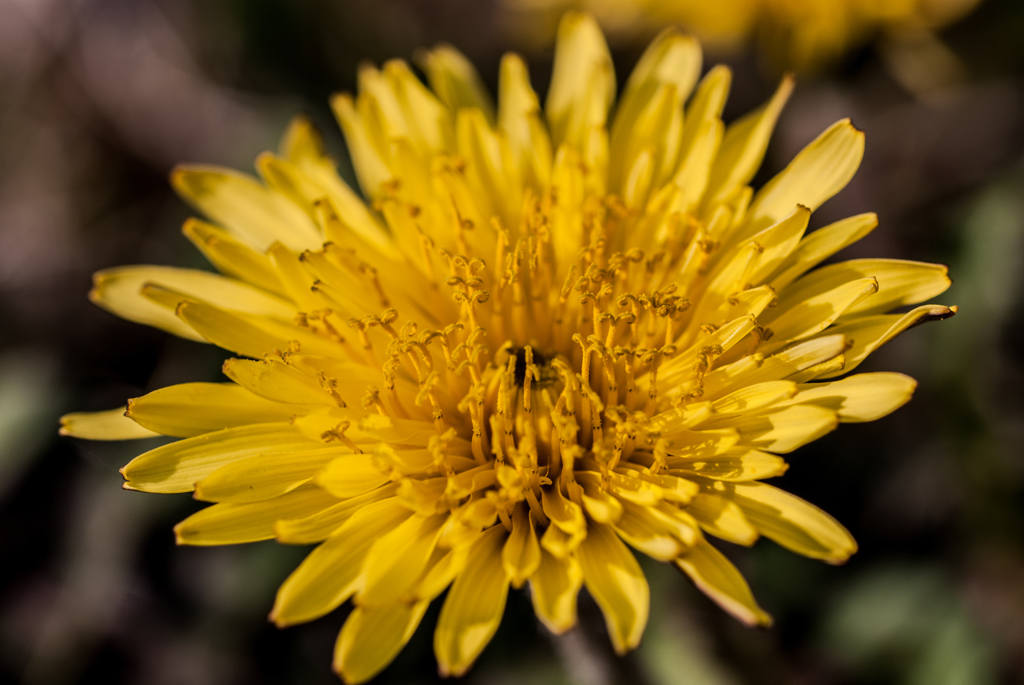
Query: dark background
[[100, 98]]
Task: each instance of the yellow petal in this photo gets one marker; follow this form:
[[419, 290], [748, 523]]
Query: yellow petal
[[472, 480], [519, 118], [231, 524], [793, 523], [302, 145], [404, 432], [650, 111], [521, 554], [718, 579], [372, 638], [756, 369], [263, 476], [486, 170], [868, 333], [899, 283], [231, 256], [705, 109], [253, 213], [627, 486], [617, 584], [563, 512], [251, 336], [429, 121], [680, 367], [331, 572], [722, 518], [784, 430], [283, 177], [818, 172], [409, 461], [295, 279], [474, 606], [397, 560], [645, 146], [672, 57], [863, 397], [681, 419], [177, 467], [317, 527], [301, 142], [582, 81], [695, 168], [837, 364], [653, 535], [351, 475], [820, 245], [744, 145], [277, 382], [448, 565], [566, 221], [754, 397], [751, 302], [599, 505], [119, 291], [455, 80], [735, 465], [554, 588], [667, 486], [424, 496], [103, 425], [559, 543], [779, 241], [703, 444], [192, 409], [725, 280], [798, 319], [370, 167]]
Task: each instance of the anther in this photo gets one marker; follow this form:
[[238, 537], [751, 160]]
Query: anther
[[337, 434], [360, 326], [330, 385], [372, 399]]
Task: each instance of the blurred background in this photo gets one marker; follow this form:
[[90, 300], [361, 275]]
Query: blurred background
[[100, 98]]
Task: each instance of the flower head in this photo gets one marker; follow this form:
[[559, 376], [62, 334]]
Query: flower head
[[546, 338]]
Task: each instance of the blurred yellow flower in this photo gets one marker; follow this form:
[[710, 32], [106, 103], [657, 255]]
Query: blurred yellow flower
[[549, 337], [797, 34]]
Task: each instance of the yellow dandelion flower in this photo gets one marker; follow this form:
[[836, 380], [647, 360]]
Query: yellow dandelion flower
[[548, 338]]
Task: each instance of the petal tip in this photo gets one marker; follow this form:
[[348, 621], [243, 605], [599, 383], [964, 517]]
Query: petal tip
[[275, 617]]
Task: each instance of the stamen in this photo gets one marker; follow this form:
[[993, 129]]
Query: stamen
[[371, 273], [499, 455], [391, 366], [563, 298], [331, 386], [462, 225], [654, 357], [372, 399], [337, 434], [519, 323], [628, 355], [501, 258], [360, 326], [428, 390]]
